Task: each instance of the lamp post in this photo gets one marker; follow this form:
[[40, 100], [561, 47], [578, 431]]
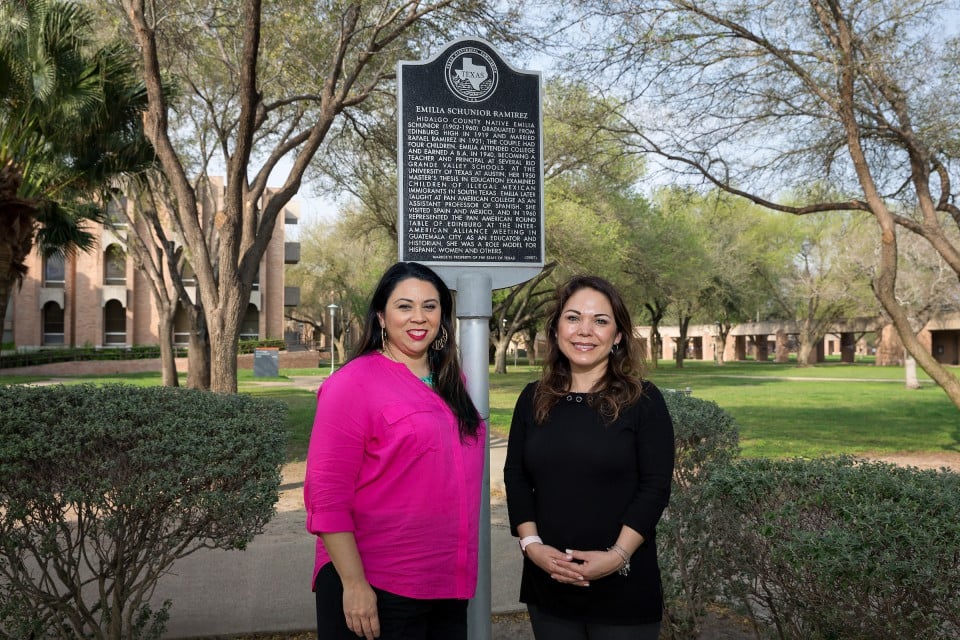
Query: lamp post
[[333, 309]]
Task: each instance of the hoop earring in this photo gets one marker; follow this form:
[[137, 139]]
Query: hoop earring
[[383, 336], [615, 348], [441, 340]]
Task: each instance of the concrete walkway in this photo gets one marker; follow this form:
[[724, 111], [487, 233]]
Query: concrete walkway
[[266, 588]]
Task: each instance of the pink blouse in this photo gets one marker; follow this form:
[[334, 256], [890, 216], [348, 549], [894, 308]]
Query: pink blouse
[[386, 462]]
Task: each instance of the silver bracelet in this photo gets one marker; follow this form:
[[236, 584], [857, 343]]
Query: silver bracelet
[[624, 569]]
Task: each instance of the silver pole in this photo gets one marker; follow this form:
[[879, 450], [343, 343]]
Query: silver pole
[[333, 307], [474, 309]]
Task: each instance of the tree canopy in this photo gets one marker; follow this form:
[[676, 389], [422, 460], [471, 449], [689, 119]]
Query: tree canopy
[[70, 124], [763, 98], [252, 90]]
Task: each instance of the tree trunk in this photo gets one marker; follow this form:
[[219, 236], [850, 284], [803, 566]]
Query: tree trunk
[[656, 347], [532, 347], [804, 352], [224, 328], [656, 344], [885, 280], [806, 346], [198, 357], [681, 353], [8, 278], [500, 354], [223, 362], [719, 342], [168, 362], [17, 227], [947, 380]]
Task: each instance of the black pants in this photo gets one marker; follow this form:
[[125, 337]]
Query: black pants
[[401, 618], [550, 627]]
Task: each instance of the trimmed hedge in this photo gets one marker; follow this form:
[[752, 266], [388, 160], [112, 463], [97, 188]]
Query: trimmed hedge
[[102, 488], [840, 547], [706, 440], [143, 352]]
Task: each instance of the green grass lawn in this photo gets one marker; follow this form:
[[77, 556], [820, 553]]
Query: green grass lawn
[[787, 411], [301, 404], [783, 410]]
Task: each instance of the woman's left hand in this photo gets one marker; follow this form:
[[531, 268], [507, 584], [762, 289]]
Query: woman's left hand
[[593, 564]]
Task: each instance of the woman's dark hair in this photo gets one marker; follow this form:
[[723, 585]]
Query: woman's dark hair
[[621, 383], [445, 363]]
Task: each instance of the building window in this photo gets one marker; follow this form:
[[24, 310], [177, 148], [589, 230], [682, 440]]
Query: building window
[[187, 276], [250, 327], [181, 326], [54, 271], [7, 325], [52, 319], [256, 282], [114, 265], [114, 323], [115, 217]]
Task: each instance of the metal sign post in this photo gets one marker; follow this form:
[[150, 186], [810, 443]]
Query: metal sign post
[[470, 160]]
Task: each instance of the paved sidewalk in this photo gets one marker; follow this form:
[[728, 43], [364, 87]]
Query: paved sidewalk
[[266, 588]]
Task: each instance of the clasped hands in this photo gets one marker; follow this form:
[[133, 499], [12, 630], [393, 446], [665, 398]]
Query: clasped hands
[[572, 566]]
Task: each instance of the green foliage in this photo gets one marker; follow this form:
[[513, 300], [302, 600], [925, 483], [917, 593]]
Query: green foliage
[[138, 352], [249, 346], [71, 109], [102, 488], [840, 547], [706, 440], [47, 356]]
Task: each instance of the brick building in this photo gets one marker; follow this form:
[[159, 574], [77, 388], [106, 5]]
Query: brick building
[[775, 340], [100, 299]]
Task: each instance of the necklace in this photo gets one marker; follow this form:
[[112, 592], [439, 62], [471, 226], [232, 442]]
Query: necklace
[[428, 379]]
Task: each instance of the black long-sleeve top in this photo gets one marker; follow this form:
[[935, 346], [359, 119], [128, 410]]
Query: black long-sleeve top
[[580, 478]]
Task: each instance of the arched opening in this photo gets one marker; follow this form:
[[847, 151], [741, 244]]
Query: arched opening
[[188, 276], [181, 326], [115, 217], [250, 327], [53, 323], [114, 265], [54, 271], [114, 324]]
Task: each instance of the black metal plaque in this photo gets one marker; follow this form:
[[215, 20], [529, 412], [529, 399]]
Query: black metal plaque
[[470, 160]]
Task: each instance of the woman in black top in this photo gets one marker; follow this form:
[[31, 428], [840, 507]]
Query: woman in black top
[[588, 471]]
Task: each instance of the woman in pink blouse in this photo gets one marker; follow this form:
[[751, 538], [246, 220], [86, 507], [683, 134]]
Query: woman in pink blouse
[[394, 473]]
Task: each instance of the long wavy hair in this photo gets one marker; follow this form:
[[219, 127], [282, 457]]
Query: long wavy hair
[[444, 363], [620, 385]]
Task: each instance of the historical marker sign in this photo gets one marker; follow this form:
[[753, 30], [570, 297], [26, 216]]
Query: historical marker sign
[[470, 163]]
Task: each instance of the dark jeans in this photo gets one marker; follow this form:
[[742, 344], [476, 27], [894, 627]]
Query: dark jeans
[[550, 627], [401, 618]]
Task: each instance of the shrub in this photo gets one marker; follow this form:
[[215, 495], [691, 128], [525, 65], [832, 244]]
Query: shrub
[[706, 440], [249, 346], [48, 356], [103, 488], [842, 548], [136, 352]]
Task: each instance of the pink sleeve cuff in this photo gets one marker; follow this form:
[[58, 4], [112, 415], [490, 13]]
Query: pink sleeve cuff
[[329, 522]]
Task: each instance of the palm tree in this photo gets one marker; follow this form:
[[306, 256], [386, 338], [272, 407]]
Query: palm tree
[[70, 124]]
